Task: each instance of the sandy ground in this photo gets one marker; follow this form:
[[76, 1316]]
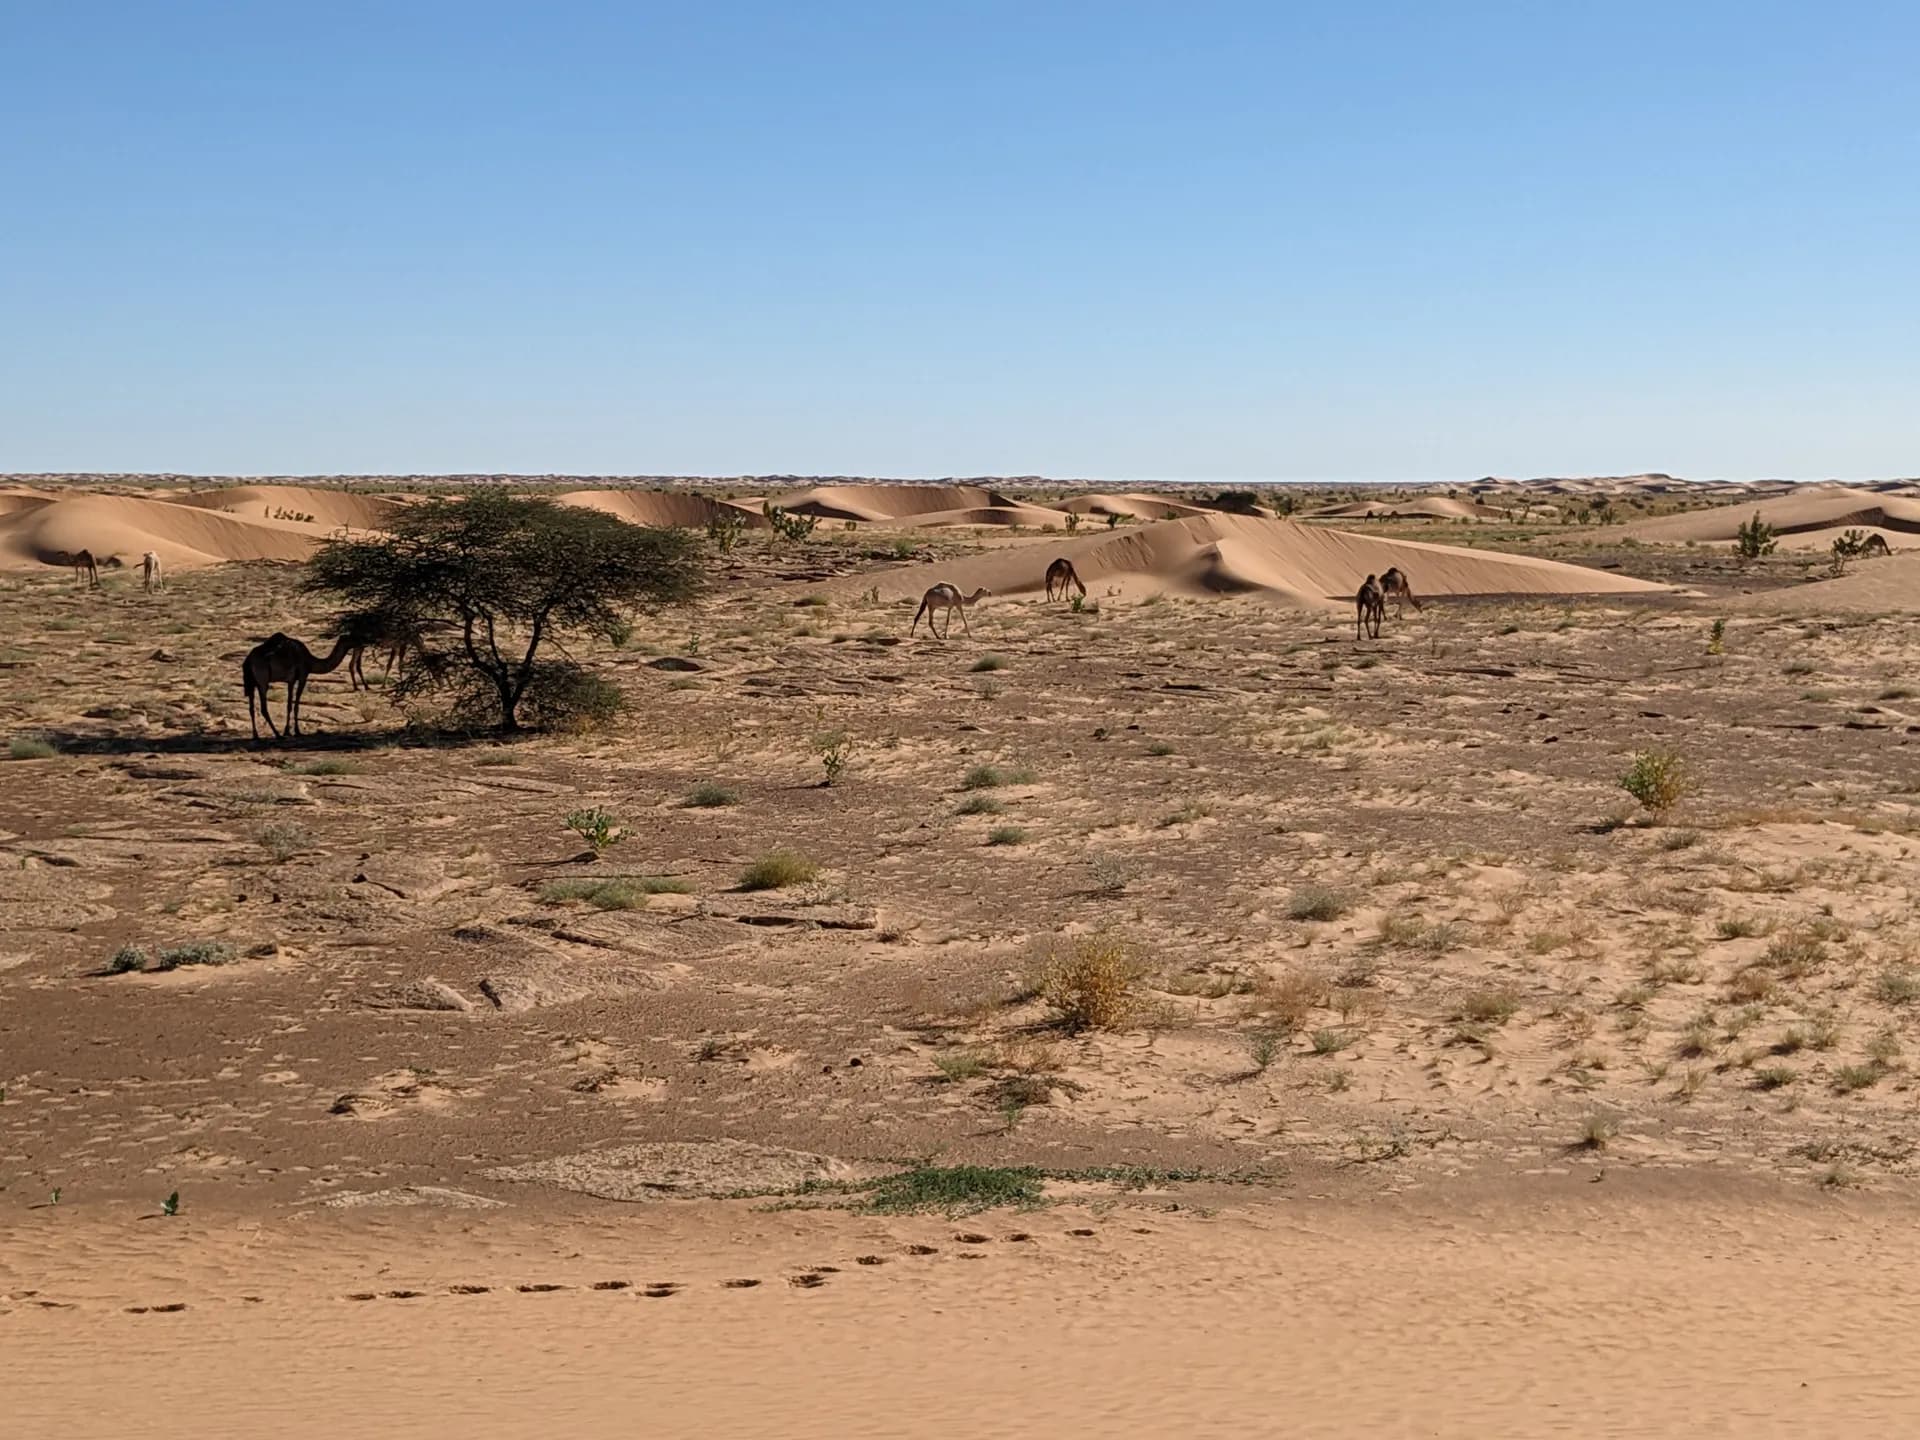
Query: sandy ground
[[1539, 1311], [1458, 1094]]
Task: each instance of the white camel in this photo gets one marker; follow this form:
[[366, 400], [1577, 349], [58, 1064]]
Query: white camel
[[946, 597], [151, 573]]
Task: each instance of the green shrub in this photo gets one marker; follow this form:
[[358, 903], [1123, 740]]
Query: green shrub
[[988, 662], [776, 869], [1754, 538], [1657, 779], [1006, 835], [1318, 902], [284, 840], [599, 828], [1093, 985], [127, 959], [30, 747], [198, 952], [979, 805]]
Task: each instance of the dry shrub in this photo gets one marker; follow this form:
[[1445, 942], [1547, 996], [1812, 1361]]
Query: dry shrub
[[1094, 985], [1287, 1000]]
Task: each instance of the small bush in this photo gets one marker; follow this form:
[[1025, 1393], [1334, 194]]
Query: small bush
[[1754, 538], [1109, 873], [1494, 1007], [1775, 1077], [979, 805], [30, 747], [710, 795], [1265, 1046], [777, 869], [1287, 1000], [1093, 986], [988, 662], [1679, 840], [599, 828], [1331, 1042], [628, 892], [1006, 835], [127, 959], [1897, 985], [1849, 1078], [199, 952], [1318, 902], [284, 840], [1739, 927], [988, 777], [1657, 779], [835, 749], [1596, 1133], [958, 1066], [1795, 953], [330, 767]]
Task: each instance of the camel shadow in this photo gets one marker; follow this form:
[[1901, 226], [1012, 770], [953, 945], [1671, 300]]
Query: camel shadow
[[76, 742]]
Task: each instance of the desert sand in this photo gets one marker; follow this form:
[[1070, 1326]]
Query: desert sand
[[1455, 1092]]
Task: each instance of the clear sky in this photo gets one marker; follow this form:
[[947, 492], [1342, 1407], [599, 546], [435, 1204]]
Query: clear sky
[[1340, 240]]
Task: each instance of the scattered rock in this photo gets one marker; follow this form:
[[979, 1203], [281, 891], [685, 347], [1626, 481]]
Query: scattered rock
[[675, 663]]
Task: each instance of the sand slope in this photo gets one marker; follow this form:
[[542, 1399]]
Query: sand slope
[[1425, 507], [1301, 564], [329, 509], [909, 504], [1886, 584], [118, 529], [1814, 508], [668, 509], [1135, 507]]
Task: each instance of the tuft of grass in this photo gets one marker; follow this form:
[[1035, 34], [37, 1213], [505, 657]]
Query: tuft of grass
[[1006, 835], [1487, 1007], [284, 840], [1679, 840], [988, 777], [128, 959], [1775, 1077], [1264, 1047], [1318, 903], [1331, 1042], [1795, 953], [30, 747], [710, 795], [1739, 927], [1897, 985], [954, 1189], [1849, 1078], [978, 804], [960, 1065], [198, 952], [627, 892], [1159, 749], [1411, 933], [988, 662], [1657, 779], [777, 869], [1596, 1133], [1093, 985]]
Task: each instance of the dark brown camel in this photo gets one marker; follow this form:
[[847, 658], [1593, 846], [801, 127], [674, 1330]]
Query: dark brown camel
[[1061, 574], [1369, 607], [85, 570], [282, 660]]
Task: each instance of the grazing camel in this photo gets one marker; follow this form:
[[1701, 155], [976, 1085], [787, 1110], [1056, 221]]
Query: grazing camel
[[1876, 545], [1394, 586], [150, 572], [1369, 608], [1061, 574], [945, 597], [280, 659], [369, 631], [85, 571]]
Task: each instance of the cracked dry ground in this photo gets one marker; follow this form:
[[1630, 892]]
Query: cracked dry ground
[[1389, 924]]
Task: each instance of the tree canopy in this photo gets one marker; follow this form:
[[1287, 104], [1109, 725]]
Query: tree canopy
[[478, 584]]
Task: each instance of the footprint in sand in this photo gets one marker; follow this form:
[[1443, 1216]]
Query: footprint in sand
[[968, 1238], [808, 1281], [468, 1289], [869, 1260], [538, 1289], [661, 1290], [363, 1295], [403, 1294], [1018, 1237], [922, 1250], [739, 1284], [1081, 1233], [612, 1284]]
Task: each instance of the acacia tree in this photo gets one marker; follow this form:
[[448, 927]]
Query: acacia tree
[[482, 582]]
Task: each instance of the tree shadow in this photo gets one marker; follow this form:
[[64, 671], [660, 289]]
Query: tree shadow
[[78, 742]]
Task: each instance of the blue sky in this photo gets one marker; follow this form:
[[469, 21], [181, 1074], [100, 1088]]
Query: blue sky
[[1190, 241]]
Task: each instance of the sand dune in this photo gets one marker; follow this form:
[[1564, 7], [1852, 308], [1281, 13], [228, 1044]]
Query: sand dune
[[328, 509], [1136, 507], [1424, 507], [1306, 565], [1824, 507], [1871, 585], [671, 509], [901, 504], [118, 529]]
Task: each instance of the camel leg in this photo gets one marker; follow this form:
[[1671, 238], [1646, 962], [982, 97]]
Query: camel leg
[[292, 725], [916, 620], [965, 628]]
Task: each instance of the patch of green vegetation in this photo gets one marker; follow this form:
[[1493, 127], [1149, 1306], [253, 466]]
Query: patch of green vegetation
[[710, 795], [328, 767], [988, 777], [30, 747], [778, 868], [955, 1189], [979, 805], [198, 952], [128, 959], [989, 662], [1006, 835]]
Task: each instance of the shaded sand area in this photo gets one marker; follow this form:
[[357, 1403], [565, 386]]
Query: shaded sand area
[[1579, 1305]]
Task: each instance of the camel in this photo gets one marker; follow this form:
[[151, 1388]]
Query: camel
[[280, 659], [150, 572], [1876, 545], [1394, 586], [1061, 574], [945, 597], [85, 571], [1370, 608]]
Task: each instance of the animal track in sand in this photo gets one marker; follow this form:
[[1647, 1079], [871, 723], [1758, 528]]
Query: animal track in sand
[[807, 1281], [612, 1284], [538, 1289], [661, 1289]]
